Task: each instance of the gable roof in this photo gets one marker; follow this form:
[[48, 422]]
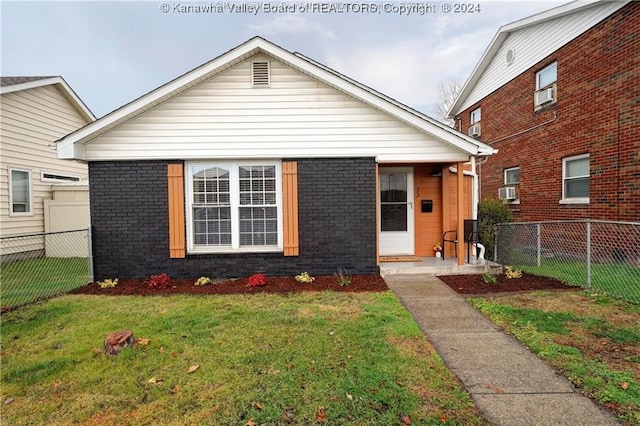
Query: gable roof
[[71, 146], [591, 13], [15, 84]]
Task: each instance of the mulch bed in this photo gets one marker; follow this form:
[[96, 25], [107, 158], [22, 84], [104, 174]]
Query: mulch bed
[[463, 284], [475, 285], [280, 285]]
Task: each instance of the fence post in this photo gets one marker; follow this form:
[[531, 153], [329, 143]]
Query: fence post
[[495, 243], [588, 253], [90, 256], [539, 245]]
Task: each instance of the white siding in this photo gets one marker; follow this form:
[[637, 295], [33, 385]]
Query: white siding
[[532, 44], [297, 116], [30, 122]]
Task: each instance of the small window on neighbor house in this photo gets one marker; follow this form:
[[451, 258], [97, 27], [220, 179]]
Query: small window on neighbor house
[[547, 76], [475, 116], [20, 191], [474, 129], [57, 177], [575, 179], [512, 176], [260, 74]]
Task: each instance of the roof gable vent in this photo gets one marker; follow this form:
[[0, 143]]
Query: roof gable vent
[[260, 73]]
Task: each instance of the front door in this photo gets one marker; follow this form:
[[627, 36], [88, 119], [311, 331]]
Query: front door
[[396, 211]]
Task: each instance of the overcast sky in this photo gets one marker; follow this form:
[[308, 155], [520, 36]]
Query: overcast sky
[[113, 52]]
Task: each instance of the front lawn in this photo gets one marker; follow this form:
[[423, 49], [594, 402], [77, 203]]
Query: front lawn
[[308, 358], [592, 338]]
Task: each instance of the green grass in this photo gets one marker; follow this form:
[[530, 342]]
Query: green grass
[[263, 357], [573, 335], [618, 280], [26, 281]]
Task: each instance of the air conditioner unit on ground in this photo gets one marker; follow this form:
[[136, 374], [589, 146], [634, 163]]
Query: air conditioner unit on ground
[[474, 130], [544, 96], [507, 193]]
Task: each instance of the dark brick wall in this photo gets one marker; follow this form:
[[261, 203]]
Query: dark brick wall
[[129, 216], [597, 112]]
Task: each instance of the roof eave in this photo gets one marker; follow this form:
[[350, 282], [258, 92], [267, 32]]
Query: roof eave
[[60, 82], [365, 94]]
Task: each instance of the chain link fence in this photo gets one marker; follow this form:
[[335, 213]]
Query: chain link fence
[[588, 253], [40, 266]]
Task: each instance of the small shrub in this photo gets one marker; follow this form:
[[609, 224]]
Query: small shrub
[[510, 273], [305, 278], [203, 281], [257, 280], [343, 277], [108, 283], [159, 281], [491, 212], [489, 278]]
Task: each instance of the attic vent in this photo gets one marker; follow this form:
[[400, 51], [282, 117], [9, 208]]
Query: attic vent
[[511, 55], [260, 73]]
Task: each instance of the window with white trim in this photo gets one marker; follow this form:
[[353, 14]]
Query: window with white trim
[[476, 116], [19, 192], [58, 177], [575, 179], [512, 176], [234, 206], [547, 76]]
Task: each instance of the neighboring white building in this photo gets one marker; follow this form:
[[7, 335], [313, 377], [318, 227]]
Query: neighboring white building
[[34, 113]]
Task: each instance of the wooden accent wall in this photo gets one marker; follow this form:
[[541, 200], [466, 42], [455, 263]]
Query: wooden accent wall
[[430, 226]]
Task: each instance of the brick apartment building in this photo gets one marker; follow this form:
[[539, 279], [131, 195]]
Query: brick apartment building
[[558, 94]]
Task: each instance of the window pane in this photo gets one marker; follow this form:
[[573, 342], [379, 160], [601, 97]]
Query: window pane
[[393, 188], [577, 188], [394, 217], [512, 176], [211, 216], [258, 226], [547, 76], [579, 167], [20, 192], [475, 115]]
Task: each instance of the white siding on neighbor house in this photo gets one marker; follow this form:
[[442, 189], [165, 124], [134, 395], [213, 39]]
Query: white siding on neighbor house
[[31, 121], [296, 116], [532, 44]]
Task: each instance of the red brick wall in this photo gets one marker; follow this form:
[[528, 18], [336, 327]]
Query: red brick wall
[[597, 112]]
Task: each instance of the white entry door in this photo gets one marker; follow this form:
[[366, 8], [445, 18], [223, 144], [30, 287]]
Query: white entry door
[[396, 211]]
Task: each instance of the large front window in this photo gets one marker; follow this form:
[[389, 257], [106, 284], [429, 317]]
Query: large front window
[[234, 207]]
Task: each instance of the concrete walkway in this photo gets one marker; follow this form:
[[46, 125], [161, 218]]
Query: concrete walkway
[[509, 384]]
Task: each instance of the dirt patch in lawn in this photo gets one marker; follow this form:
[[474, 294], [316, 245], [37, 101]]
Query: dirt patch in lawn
[[471, 284], [282, 285]]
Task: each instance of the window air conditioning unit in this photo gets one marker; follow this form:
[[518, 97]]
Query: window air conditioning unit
[[474, 130], [507, 193], [544, 96]]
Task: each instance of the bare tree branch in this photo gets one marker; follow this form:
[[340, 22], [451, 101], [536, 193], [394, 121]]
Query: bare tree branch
[[448, 91]]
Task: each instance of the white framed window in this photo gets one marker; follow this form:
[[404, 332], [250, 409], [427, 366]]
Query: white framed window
[[20, 192], [234, 206], [58, 177], [547, 76], [512, 176], [476, 116], [575, 179]]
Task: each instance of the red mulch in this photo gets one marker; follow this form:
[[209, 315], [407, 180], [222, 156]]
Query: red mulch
[[475, 285], [359, 283]]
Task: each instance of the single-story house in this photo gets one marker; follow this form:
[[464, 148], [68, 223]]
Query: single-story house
[[266, 160]]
